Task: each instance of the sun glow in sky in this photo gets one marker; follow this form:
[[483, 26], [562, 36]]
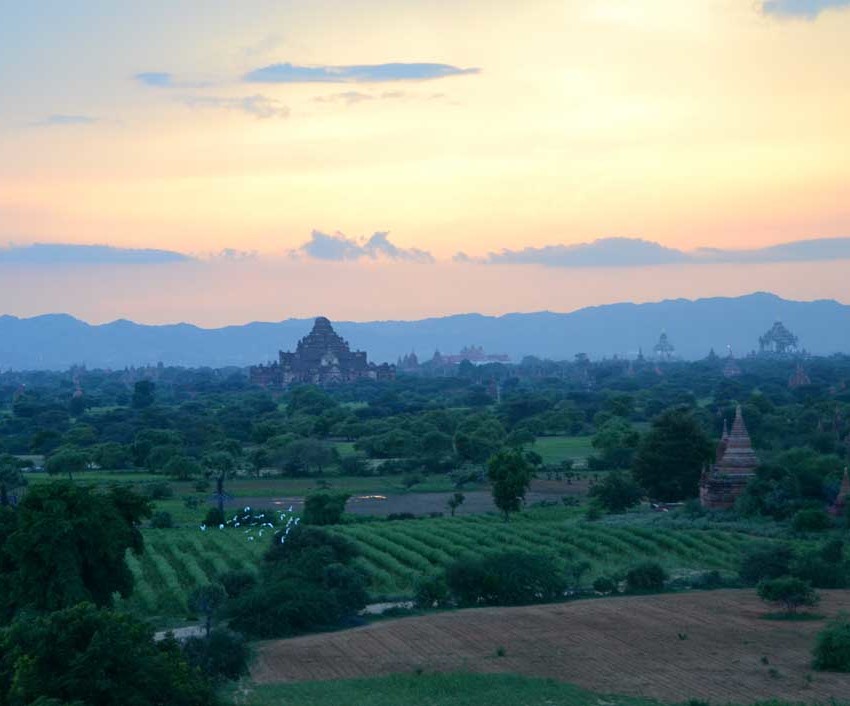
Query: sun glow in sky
[[199, 126]]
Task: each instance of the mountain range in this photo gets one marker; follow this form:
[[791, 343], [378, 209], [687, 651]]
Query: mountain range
[[57, 341]]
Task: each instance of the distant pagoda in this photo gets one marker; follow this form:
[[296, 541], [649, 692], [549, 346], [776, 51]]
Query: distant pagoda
[[664, 350], [723, 482], [799, 378], [731, 369], [778, 342], [322, 357]]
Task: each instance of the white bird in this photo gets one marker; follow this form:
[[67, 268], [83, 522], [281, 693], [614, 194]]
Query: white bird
[[203, 528], [221, 526]]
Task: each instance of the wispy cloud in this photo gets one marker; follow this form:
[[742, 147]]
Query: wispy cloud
[[72, 254], [156, 79], [634, 252], [364, 73], [258, 106], [340, 248], [59, 119], [355, 97], [806, 9]]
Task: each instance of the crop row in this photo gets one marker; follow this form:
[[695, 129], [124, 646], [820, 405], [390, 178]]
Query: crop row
[[394, 553]]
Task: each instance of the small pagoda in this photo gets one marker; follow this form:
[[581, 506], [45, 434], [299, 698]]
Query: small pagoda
[[664, 350], [731, 369], [799, 378], [839, 505], [723, 482]]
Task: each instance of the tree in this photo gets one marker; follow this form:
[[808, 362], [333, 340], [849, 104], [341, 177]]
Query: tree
[[68, 461], [765, 561], [671, 456], [182, 467], [789, 592], [307, 581], [89, 656], [510, 475], [221, 465], [11, 477], [510, 578], [617, 492], [144, 392], [617, 440], [324, 508], [69, 543], [648, 577], [207, 600], [455, 502]]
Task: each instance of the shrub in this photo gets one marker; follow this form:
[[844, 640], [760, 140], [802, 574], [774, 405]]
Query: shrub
[[220, 656], [832, 649], [509, 578], [235, 583], [617, 492], [648, 577], [324, 508], [765, 561], [202, 485], [430, 591], [162, 520], [158, 490], [306, 582], [707, 580], [214, 517], [789, 592], [605, 585], [811, 520]]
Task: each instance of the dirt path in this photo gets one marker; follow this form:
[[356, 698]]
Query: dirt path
[[712, 646], [477, 501]]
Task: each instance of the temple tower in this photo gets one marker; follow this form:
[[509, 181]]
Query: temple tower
[[735, 466]]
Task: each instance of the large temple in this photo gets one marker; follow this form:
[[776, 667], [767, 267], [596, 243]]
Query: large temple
[[724, 481], [778, 342], [322, 357]]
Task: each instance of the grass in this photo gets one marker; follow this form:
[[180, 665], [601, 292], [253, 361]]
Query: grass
[[394, 553], [554, 449], [420, 689]]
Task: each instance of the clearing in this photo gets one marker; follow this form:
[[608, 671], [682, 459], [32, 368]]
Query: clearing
[[706, 645]]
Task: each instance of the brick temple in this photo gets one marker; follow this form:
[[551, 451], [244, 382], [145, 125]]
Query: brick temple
[[724, 481], [322, 357]]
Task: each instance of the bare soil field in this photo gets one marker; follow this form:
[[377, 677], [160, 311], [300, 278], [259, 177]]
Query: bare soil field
[[477, 501], [709, 645]]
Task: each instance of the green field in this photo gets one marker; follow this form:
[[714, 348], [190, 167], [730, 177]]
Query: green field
[[394, 553], [555, 449], [177, 560], [431, 690]]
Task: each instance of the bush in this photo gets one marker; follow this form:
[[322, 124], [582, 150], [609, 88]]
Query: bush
[[223, 655], [306, 582], [811, 520], [202, 485], [324, 508], [789, 592], [832, 649], [430, 591], [235, 583], [158, 490], [765, 561], [162, 520], [214, 517], [510, 578], [617, 492], [648, 577], [605, 585], [707, 580]]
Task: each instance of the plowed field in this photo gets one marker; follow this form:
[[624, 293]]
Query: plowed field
[[709, 645]]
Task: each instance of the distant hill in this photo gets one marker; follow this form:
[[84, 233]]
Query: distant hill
[[57, 341]]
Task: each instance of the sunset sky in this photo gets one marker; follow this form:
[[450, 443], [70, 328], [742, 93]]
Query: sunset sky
[[269, 140]]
